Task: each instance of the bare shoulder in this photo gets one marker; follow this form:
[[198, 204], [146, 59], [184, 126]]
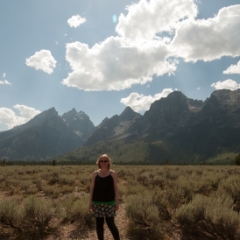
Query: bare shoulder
[[94, 174], [114, 174]]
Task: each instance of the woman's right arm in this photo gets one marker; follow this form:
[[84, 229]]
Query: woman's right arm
[[91, 190]]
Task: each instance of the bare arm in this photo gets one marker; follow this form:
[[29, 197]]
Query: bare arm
[[91, 190], [114, 175]]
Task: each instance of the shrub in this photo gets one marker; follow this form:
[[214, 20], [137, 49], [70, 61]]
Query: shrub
[[38, 183], [66, 179], [37, 212], [231, 186], [51, 190], [12, 185], [213, 215], [158, 181], [159, 199], [144, 214], [134, 188], [64, 206], [54, 178], [11, 214], [32, 216], [66, 189], [176, 196], [193, 212], [80, 211], [75, 209], [221, 217], [2, 178], [25, 184], [32, 189]]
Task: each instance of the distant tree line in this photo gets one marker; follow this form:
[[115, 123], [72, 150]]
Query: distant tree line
[[55, 162]]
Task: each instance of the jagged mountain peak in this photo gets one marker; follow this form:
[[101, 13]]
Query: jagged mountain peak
[[227, 97], [79, 123], [104, 121], [115, 127], [173, 104], [52, 109], [171, 123], [82, 115], [44, 136], [73, 115], [175, 97], [41, 117], [177, 94], [35, 121], [70, 113], [128, 114], [73, 111]]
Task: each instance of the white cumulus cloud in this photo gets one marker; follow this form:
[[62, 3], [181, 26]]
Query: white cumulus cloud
[[114, 65], [227, 84], [140, 102], [209, 39], [133, 57], [233, 69], [5, 82], [4, 75], [42, 60], [147, 18], [76, 21], [142, 48], [9, 118]]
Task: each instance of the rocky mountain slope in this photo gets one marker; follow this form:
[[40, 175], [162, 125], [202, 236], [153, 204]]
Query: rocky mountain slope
[[115, 128], [79, 123], [45, 136], [175, 128]]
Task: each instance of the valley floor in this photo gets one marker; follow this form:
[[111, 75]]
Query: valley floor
[[156, 203]]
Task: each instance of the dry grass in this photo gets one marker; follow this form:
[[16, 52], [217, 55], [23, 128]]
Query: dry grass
[[162, 202]]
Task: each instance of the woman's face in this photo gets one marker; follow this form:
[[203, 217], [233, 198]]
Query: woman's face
[[104, 162]]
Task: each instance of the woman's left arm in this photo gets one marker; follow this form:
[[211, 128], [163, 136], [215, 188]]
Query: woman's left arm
[[114, 175]]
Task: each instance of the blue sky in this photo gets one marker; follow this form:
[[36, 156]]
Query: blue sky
[[101, 56]]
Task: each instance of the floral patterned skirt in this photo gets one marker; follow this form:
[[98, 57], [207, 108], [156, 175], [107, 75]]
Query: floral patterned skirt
[[103, 210]]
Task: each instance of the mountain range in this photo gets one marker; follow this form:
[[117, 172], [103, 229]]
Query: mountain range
[[174, 129], [46, 136]]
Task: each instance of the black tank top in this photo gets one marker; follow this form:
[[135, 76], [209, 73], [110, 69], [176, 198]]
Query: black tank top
[[104, 189]]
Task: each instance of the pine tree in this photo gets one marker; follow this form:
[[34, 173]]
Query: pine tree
[[3, 163], [54, 163], [237, 159]]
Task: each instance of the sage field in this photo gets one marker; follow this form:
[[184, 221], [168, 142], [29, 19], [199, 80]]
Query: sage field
[[156, 202]]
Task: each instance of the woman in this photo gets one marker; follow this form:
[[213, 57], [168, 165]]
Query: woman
[[104, 197]]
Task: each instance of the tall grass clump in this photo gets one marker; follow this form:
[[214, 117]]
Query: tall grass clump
[[29, 219], [75, 209], [211, 215], [231, 186], [11, 214], [221, 217], [37, 212], [144, 216], [193, 212]]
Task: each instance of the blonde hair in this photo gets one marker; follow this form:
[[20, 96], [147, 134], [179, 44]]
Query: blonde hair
[[104, 156]]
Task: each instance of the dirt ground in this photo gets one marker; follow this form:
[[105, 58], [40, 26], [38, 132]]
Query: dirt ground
[[71, 231], [121, 223]]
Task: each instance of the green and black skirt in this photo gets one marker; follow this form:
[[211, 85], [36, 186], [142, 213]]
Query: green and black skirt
[[103, 209]]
